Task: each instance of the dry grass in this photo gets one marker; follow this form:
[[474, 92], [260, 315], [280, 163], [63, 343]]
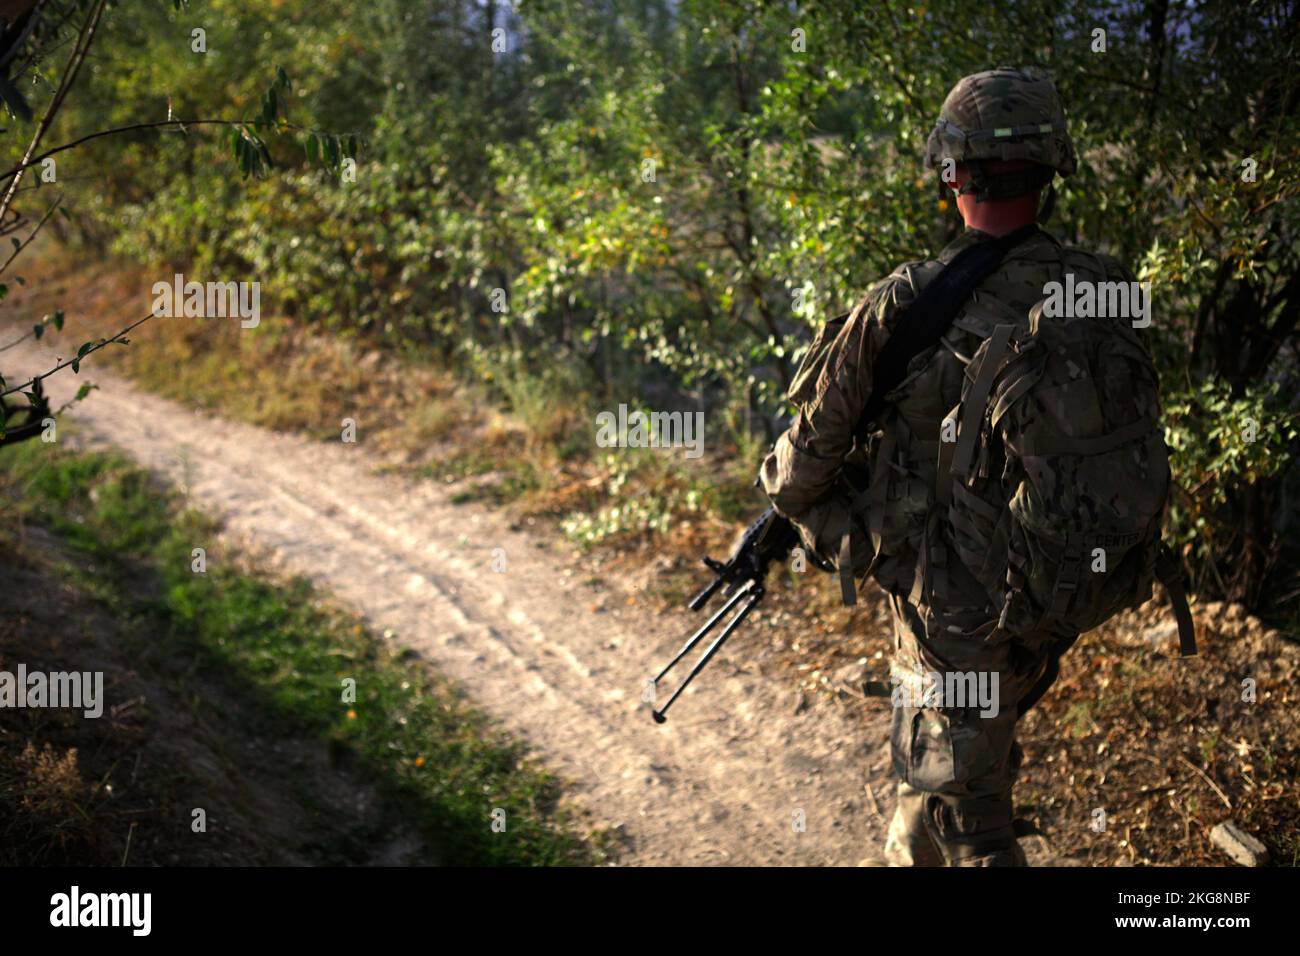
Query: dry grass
[[1167, 747], [278, 375]]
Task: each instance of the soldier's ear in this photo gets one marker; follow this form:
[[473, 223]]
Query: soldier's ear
[[947, 193]]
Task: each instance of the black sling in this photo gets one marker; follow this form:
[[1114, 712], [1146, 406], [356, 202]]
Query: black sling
[[923, 322]]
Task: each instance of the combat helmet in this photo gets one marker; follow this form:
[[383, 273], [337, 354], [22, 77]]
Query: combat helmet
[[1003, 114]]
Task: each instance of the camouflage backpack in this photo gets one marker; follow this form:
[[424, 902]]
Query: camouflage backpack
[[1050, 477], [1054, 475]]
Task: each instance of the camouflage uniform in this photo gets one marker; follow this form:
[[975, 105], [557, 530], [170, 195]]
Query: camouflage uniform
[[956, 768]]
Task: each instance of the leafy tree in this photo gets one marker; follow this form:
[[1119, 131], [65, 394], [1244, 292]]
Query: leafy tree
[[663, 197]]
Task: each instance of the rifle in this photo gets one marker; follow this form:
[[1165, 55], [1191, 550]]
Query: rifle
[[768, 539]]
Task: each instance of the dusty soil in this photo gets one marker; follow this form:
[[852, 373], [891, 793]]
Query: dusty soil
[[559, 646]]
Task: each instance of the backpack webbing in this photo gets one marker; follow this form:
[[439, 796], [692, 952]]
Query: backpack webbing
[[926, 318]]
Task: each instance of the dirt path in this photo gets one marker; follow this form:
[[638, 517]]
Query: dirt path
[[723, 781]]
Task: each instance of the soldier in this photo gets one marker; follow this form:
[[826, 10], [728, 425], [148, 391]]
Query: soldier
[[1001, 136]]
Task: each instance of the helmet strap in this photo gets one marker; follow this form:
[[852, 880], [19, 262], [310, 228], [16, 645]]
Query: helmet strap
[[1049, 203], [976, 181], [1003, 185]]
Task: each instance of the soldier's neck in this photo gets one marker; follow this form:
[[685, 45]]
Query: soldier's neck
[[998, 217]]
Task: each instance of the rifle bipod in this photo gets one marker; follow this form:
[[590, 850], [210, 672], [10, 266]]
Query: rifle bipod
[[751, 592]]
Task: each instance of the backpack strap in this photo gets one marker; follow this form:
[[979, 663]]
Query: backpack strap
[[1170, 574], [943, 488], [920, 325], [977, 399], [850, 542], [923, 321]]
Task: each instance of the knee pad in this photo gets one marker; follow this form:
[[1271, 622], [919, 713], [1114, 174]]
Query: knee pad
[[973, 831]]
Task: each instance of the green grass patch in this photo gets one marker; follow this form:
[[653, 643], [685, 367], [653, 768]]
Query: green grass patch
[[284, 651]]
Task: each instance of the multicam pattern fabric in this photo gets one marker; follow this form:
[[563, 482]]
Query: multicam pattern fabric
[[1060, 474], [833, 382], [956, 768], [1004, 114]]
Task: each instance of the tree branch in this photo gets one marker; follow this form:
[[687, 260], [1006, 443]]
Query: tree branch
[[116, 337]]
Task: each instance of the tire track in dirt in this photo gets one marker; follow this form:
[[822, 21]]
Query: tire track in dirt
[[721, 782]]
